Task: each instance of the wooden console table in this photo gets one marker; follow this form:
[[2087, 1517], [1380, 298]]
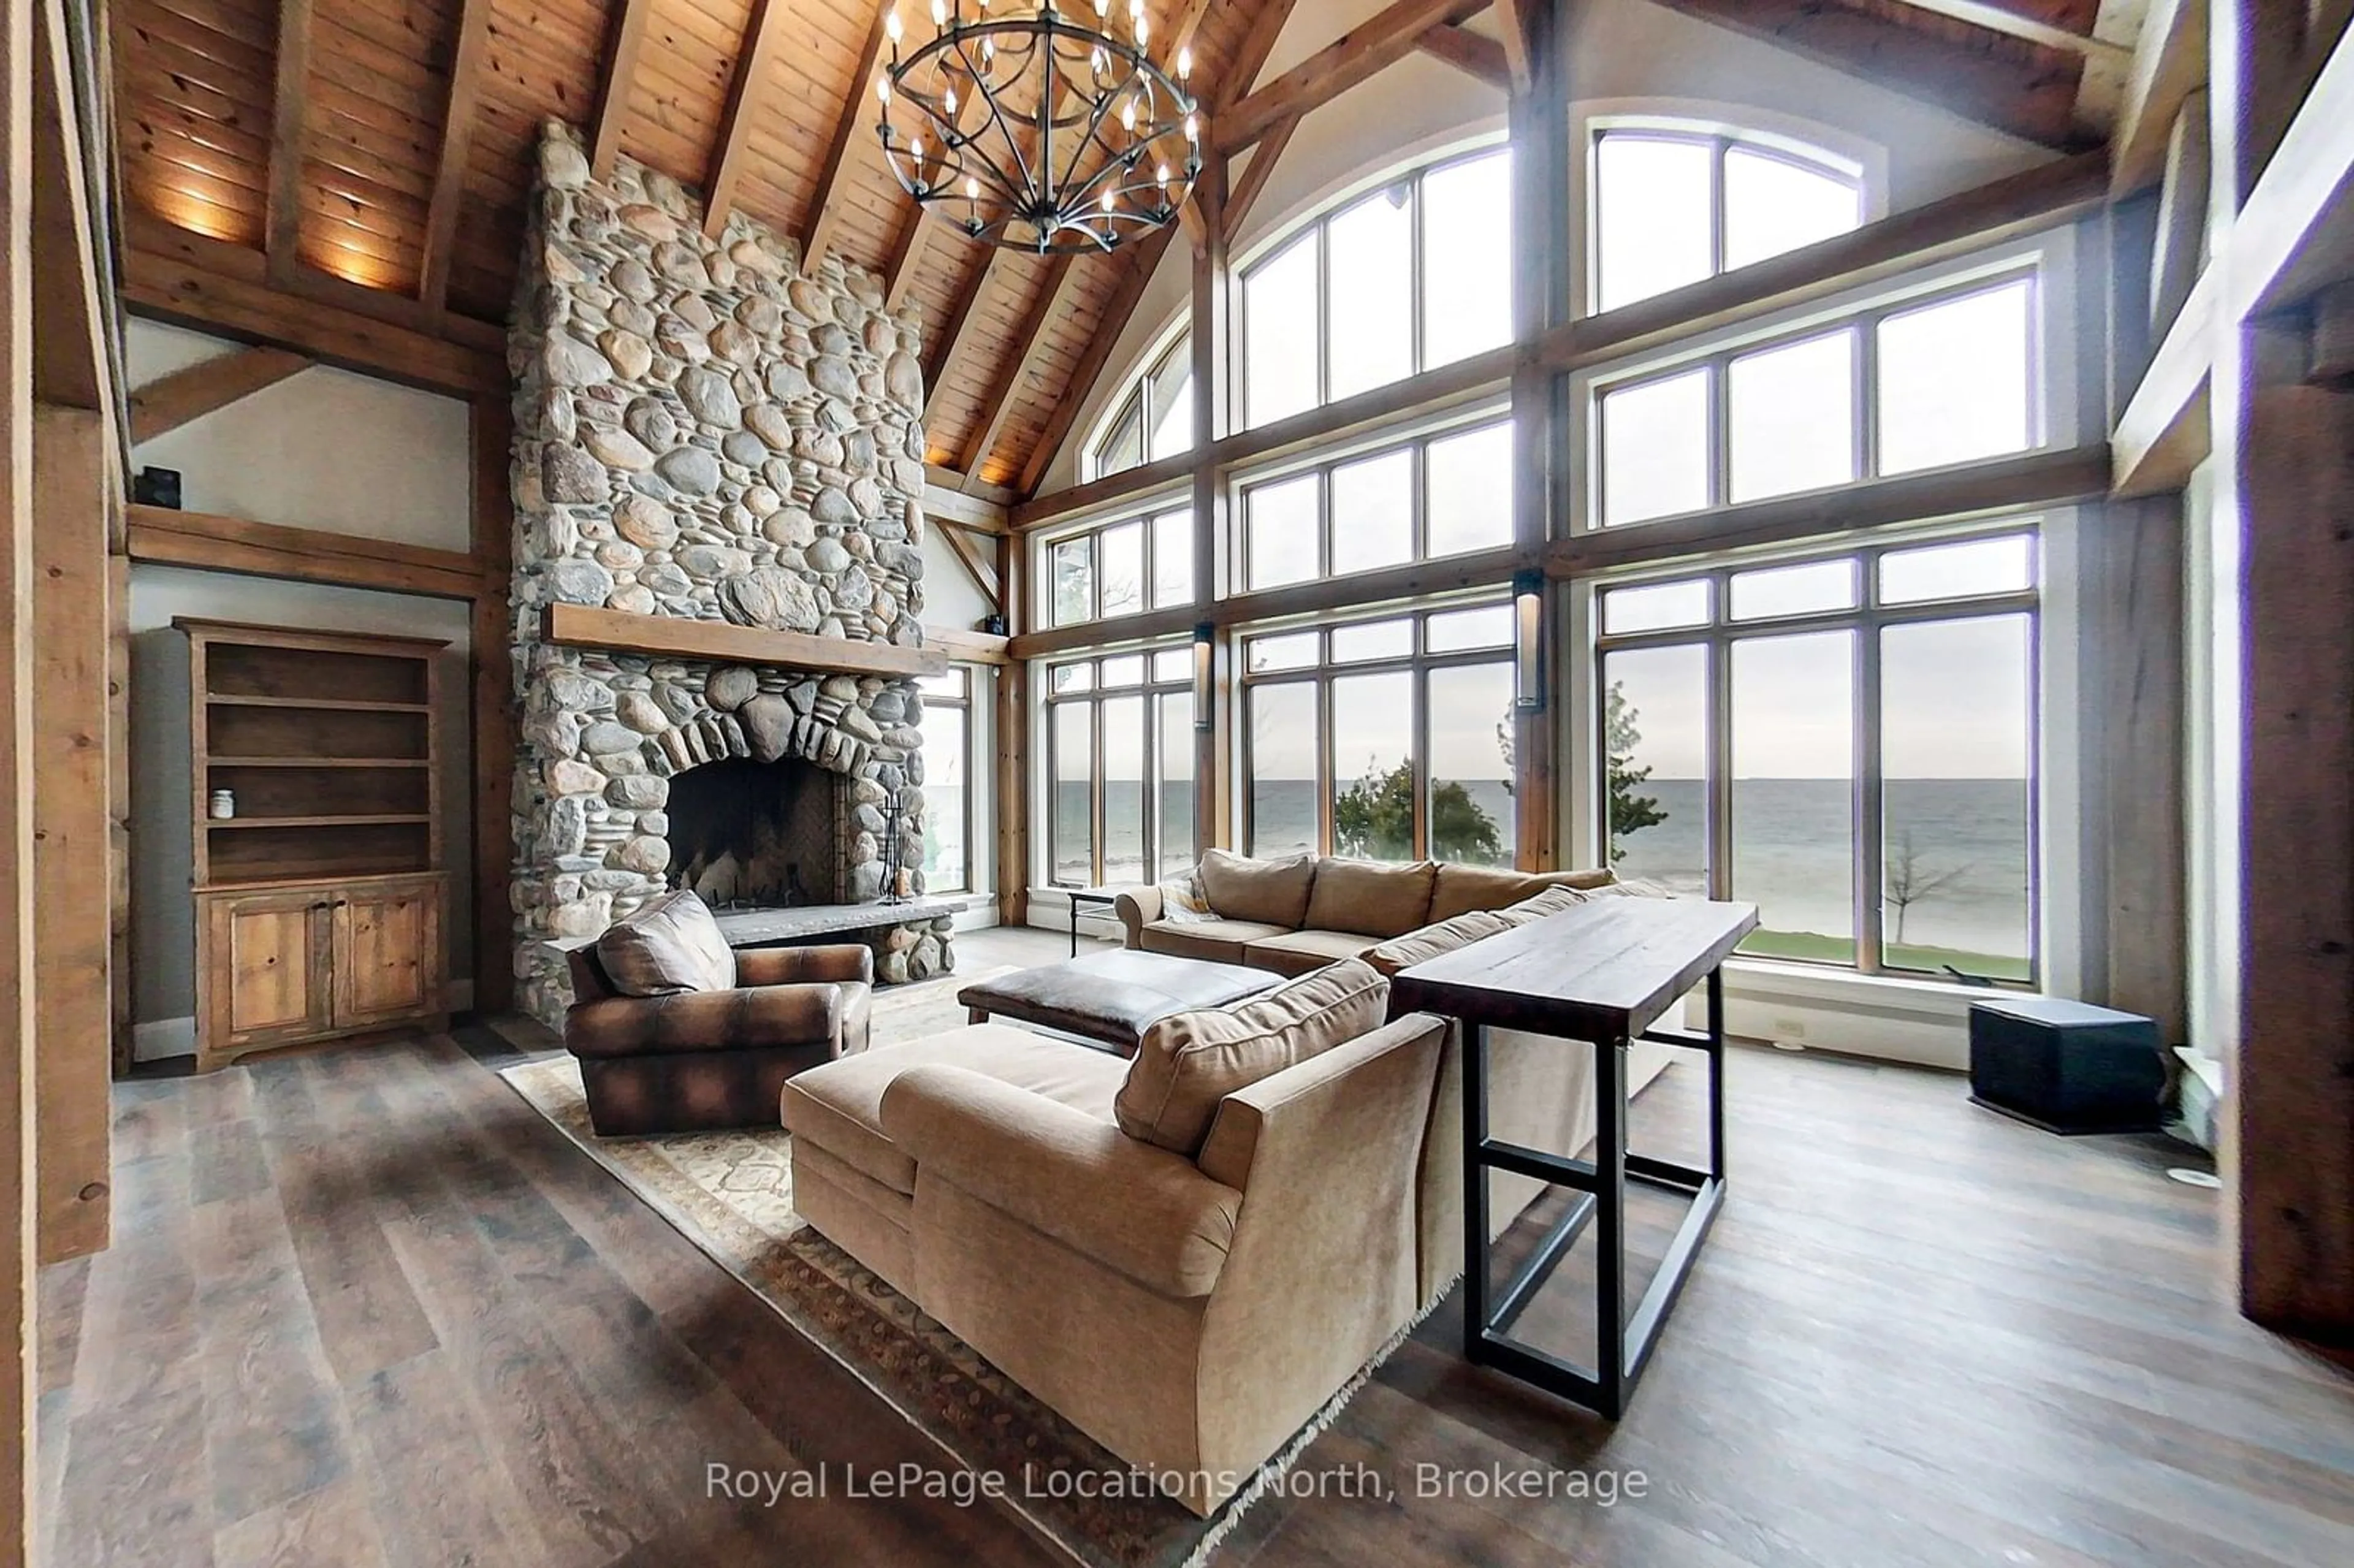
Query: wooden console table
[[1603, 972]]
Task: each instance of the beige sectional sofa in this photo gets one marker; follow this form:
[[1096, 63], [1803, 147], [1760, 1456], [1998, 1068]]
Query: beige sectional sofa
[[1294, 916], [1187, 1252]]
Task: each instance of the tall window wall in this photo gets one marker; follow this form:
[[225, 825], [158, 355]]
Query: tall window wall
[[1120, 567], [1847, 739], [1413, 275], [947, 728], [1153, 418], [1120, 765], [1444, 493], [1675, 203], [1383, 739]]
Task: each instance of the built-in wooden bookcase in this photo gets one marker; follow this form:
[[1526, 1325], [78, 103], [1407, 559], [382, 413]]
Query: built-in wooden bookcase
[[319, 898]]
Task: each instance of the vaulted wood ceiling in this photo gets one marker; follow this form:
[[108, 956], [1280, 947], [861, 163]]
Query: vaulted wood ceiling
[[374, 156]]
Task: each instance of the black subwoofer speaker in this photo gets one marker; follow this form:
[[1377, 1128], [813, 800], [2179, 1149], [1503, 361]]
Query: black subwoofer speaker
[[2066, 1066]]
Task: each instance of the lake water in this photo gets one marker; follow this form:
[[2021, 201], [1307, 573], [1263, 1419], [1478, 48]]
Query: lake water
[[1792, 852]]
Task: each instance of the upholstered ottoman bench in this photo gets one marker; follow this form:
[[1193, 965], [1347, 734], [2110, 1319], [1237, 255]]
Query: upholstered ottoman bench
[[1112, 998]]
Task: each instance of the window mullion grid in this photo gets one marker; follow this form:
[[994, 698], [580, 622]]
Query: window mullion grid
[[1415, 326], [1095, 780], [1720, 433], [1870, 800], [1328, 774], [1719, 760], [1867, 397], [1418, 685], [1716, 223], [1324, 314]]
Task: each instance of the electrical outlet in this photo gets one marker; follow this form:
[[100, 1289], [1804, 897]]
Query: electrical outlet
[[1790, 1029]]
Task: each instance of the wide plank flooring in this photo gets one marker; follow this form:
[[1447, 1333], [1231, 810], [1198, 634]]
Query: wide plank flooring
[[366, 1308]]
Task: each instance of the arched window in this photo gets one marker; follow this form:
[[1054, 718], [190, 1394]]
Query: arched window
[[1416, 273], [1674, 206], [1153, 418]]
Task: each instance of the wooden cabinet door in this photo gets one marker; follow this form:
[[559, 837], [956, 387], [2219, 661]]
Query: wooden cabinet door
[[387, 954], [264, 970]]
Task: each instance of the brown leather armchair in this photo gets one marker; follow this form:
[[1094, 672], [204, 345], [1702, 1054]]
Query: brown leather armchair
[[707, 1060]]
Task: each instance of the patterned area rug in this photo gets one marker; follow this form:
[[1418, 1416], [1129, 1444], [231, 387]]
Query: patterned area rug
[[730, 1193]]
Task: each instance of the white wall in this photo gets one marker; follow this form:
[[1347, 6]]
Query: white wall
[[324, 449], [1622, 49], [2213, 766]]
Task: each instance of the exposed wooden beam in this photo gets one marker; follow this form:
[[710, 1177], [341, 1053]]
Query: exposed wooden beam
[[2017, 25], [2007, 84], [2333, 334], [1354, 57], [975, 555], [762, 35], [75, 361], [1053, 300], [636, 16], [1474, 54], [1140, 264], [1902, 242], [960, 332], [978, 513], [2163, 433], [457, 139], [2170, 63], [1251, 55], [176, 290], [213, 542], [1513, 19], [967, 647], [583, 625], [915, 242], [852, 133], [283, 215], [1256, 173], [165, 404]]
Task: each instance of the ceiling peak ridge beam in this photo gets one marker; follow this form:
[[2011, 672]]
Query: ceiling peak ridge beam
[[763, 35], [290, 102], [1356, 55], [456, 141], [613, 92], [843, 156]]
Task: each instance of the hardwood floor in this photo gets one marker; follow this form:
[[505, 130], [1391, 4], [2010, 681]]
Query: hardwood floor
[[366, 1308]]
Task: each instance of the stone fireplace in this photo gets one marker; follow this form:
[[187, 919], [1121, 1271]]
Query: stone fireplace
[[706, 434]]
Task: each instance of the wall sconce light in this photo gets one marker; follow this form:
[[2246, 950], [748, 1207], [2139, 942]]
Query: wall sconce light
[[1528, 641], [1204, 647]]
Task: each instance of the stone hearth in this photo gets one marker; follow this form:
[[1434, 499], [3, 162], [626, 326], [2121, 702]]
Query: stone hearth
[[703, 431]]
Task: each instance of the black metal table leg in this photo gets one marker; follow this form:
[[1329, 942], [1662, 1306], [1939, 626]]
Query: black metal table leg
[[1610, 1225], [1475, 1193], [1073, 905]]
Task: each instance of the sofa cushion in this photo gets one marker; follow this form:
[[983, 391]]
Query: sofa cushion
[[1304, 952], [1459, 889], [1190, 1062], [839, 1105], [1414, 947], [1218, 941], [1272, 891], [1370, 896], [1552, 901], [667, 946]]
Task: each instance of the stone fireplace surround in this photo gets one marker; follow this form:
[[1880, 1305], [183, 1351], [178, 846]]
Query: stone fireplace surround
[[703, 431]]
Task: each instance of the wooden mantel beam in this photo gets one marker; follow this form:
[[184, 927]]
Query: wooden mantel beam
[[613, 90], [456, 141], [763, 33], [582, 626], [282, 220]]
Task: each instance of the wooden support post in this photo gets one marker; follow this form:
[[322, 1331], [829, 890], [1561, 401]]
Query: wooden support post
[[1012, 727], [18, 1338], [494, 713], [1212, 329], [1540, 129], [290, 101], [72, 467], [2290, 1142]]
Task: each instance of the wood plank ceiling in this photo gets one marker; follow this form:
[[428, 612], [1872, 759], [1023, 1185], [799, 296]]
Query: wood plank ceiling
[[376, 154]]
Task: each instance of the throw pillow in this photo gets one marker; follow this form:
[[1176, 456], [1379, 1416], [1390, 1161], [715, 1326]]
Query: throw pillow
[[1552, 901], [668, 946], [1181, 903], [1189, 1062], [1271, 891], [1371, 898], [1463, 888], [1414, 947]]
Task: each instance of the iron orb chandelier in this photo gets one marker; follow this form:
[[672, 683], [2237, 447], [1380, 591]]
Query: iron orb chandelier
[[1031, 131]]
